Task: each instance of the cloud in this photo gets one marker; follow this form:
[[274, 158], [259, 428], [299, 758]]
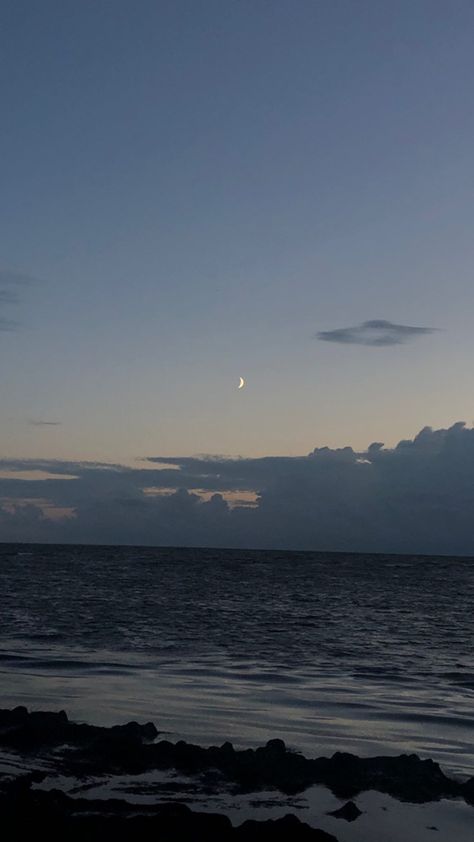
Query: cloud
[[8, 297], [376, 333], [10, 278], [23, 517], [417, 497], [44, 423], [7, 324]]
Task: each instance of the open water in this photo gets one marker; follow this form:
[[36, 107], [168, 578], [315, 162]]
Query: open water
[[370, 654]]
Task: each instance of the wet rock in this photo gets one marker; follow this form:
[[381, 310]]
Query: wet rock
[[289, 827], [275, 748], [130, 748], [16, 716], [116, 754], [31, 731], [29, 814], [35, 729], [406, 777], [467, 789], [147, 732], [349, 811], [271, 766], [227, 748], [23, 783]]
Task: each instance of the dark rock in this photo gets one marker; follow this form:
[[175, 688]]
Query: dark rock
[[26, 731], [467, 789], [22, 783], [227, 748], [287, 828], [48, 719], [28, 814], [133, 729], [36, 729], [275, 748], [13, 717], [406, 777], [129, 748], [350, 812]]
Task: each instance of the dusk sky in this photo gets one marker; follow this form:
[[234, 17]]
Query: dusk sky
[[194, 192]]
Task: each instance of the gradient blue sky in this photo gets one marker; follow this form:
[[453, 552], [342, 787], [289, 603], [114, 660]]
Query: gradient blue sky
[[196, 188]]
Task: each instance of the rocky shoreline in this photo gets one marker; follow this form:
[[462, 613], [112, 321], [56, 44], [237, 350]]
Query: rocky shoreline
[[84, 751]]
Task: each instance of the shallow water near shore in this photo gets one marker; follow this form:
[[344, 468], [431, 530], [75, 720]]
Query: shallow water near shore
[[382, 817], [330, 652]]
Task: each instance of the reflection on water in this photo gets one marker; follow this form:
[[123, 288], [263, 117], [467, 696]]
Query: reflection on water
[[382, 817], [364, 653]]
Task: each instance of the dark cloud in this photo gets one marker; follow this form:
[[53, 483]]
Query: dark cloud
[[376, 333], [221, 473], [417, 497], [24, 518]]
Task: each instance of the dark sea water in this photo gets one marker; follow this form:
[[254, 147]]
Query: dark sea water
[[371, 654]]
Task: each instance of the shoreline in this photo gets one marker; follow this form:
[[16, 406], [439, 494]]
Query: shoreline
[[66, 773]]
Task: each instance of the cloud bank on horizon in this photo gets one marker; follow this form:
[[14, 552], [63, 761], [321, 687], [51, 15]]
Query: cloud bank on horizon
[[377, 333], [417, 497]]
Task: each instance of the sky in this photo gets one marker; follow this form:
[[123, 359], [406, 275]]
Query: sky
[[198, 192]]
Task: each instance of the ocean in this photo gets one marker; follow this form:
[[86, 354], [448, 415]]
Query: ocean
[[362, 653]]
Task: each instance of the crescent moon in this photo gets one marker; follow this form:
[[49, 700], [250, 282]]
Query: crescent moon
[[242, 383]]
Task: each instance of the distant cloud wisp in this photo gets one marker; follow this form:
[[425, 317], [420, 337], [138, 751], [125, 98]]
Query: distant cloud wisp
[[7, 324], [9, 279], [33, 423], [8, 297], [376, 333]]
